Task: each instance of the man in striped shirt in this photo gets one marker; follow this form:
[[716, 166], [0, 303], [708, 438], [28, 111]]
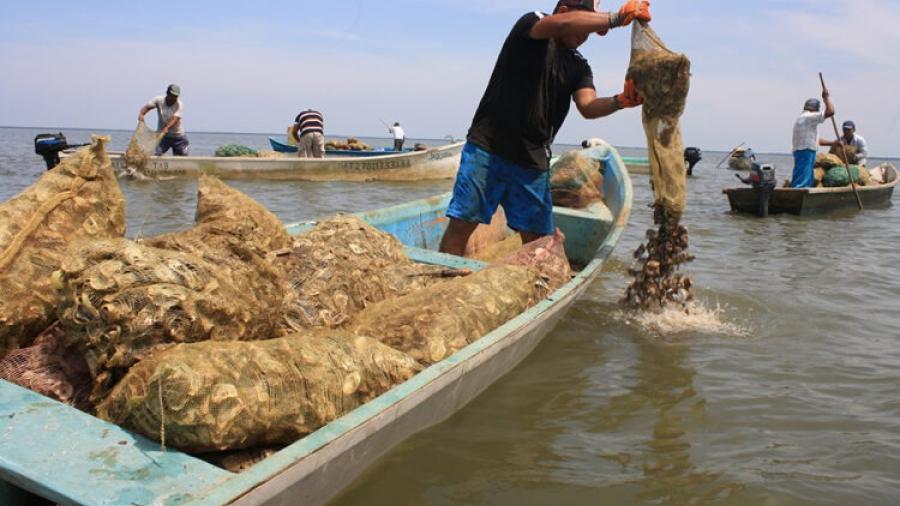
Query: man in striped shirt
[[309, 132]]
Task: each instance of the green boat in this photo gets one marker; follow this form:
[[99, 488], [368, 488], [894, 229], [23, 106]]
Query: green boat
[[70, 457]]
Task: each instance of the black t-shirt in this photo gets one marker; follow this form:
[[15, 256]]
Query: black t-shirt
[[528, 96]]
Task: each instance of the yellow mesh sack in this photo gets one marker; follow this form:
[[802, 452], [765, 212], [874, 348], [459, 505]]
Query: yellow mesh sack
[[662, 77], [79, 198], [213, 396], [141, 146]]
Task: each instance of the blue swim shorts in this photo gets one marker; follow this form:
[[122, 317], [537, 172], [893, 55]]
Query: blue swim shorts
[[486, 180]]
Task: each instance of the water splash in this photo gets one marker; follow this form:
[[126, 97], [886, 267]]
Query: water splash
[[671, 322]]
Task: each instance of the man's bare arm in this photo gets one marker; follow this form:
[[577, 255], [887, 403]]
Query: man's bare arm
[[591, 106]]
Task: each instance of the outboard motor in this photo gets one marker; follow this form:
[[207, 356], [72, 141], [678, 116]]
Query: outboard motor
[[692, 156], [762, 178], [49, 146]]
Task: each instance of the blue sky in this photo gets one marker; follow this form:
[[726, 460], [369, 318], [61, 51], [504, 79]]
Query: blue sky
[[249, 67]]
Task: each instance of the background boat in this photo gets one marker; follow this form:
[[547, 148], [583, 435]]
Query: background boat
[[437, 163], [813, 201], [281, 145], [70, 457]]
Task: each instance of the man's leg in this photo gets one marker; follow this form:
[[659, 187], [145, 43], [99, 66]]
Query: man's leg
[[163, 146], [456, 237], [303, 146], [318, 145], [180, 146], [476, 194], [398, 144], [803, 176], [528, 203]]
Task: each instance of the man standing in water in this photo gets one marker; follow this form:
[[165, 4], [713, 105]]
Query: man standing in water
[[507, 153], [168, 112], [806, 140]]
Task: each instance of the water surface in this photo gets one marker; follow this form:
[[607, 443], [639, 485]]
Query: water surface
[[794, 401]]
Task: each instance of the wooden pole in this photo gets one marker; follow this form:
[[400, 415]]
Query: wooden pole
[[843, 152]]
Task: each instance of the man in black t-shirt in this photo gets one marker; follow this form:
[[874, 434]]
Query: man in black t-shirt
[[507, 153]]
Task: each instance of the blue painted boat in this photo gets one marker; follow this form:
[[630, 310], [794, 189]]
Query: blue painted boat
[[73, 458], [281, 145]]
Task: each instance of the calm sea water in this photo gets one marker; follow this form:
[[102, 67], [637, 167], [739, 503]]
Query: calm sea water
[[792, 397]]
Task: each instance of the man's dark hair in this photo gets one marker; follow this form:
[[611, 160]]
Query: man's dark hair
[[584, 5]]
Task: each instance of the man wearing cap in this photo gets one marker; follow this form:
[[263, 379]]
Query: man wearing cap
[[168, 112], [538, 73], [850, 138], [806, 140]]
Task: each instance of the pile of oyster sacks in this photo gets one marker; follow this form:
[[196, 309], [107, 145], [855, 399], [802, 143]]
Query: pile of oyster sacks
[[232, 334]]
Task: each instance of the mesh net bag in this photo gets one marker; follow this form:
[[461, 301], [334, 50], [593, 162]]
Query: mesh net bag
[[849, 154], [206, 397], [575, 181], [120, 300], [231, 150], [435, 322], [499, 250], [225, 210], [662, 77], [142, 146], [827, 160], [46, 368], [79, 198], [548, 256], [838, 176], [485, 236], [343, 265]]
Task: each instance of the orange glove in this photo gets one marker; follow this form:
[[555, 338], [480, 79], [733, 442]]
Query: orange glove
[[634, 9], [629, 97]]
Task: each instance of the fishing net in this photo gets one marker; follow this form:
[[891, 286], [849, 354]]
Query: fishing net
[[209, 396], [223, 209], [231, 150], [576, 181], [79, 198], [120, 300], [838, 176], [547, 255], [485, 236], [268, 153], [500, 249], [238, 461], [142, 146], [819, 176], [662, 77], [433, 323], [46, 368], [342, 266], [849, 154], [351, 144]]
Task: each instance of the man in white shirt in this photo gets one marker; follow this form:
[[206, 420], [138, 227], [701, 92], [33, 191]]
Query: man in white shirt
[[851, 138], [399, 136], [168, 111], [806, 140]]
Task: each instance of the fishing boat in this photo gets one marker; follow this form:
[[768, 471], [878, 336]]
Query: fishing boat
[[741, 159], [70, 457], [637, 164], [281, 145], [440, 162], [814, 201]]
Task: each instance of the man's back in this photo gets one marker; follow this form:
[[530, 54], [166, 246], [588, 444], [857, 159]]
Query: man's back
[[310, 121], [806, 130]]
